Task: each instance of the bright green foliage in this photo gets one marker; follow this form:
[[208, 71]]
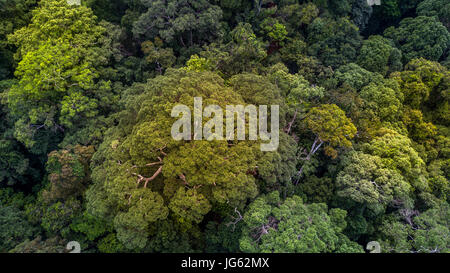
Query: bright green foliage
[[110, 244], [355, 76], [91, 226], [290, 226], [309, 12], [255, 89], [303, 93], [383, 100], [366, 181], [396, 153], [146, 207], [420, 37], [198, 64], [76, 107], [418, 128], [56, 217], [58, 53], [55, 21], [439, 170], [274, 30]]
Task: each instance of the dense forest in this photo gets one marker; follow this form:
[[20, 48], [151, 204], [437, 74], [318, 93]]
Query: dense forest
[[86, 155]]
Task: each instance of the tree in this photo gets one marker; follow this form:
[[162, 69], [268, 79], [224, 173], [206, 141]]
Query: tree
[[272, 225], [382, 101], [180, 22], [439, 8], [361, 13], [14, 14], [234, 10], [424, 85], [396, 153], [366, 182], [14, 228], [355, 76], [378, 54], [68, 173], [139, 161], [334, 42], [189, 206], [420, 37], [112, 11], [59, 53], [274, 30], [330, 125], [17, 167], [255, 89], [316, 189], [162, 57], [244, 53], [411, 231], [297, 16], [132, 226], [38, 245], [276, 169]]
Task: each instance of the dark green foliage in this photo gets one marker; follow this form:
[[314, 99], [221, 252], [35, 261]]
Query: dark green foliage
[[14, 227], [420, 37], [334, 42], [439, 8], [182, 23]]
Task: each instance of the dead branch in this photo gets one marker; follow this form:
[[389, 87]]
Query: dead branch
[[235, 220]]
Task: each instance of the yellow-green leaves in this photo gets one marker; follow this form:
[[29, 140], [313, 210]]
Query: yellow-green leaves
[[329, 123]]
